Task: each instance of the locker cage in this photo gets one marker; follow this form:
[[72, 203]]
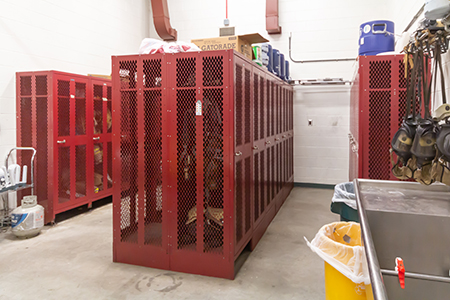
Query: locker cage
[[203, 158], [377, 107], [67, 119]]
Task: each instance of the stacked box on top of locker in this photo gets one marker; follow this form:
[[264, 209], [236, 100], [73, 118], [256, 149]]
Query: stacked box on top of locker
[[377, 107], [67, 119], [207, 132]]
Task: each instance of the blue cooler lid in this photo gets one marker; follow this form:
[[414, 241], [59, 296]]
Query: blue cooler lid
[[376, 37]]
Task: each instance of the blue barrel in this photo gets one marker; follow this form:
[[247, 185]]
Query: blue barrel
[[282, 66], [276, 62], [376, 37], [286, 71]]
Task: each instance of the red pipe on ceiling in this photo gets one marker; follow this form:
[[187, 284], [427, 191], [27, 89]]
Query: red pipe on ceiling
[[272, 26], [161, 20]]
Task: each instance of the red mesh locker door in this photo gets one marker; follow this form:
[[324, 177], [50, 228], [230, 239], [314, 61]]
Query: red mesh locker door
[[244, 152], [34, 130], [44, 175], [100, 180], [186, 228], [269, 140], [200, 97], [71, 141], [259, 129], [140, 214], [382, 86]]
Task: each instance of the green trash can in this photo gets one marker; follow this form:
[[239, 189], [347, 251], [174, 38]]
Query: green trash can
[[344, 202]]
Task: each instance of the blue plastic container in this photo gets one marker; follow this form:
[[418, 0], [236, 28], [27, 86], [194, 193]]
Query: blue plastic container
[[286, 71], [376, 37], [276, 62], [282, 66], [270, 55]]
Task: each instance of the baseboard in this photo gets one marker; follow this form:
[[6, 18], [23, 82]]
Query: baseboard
[[314, 185]]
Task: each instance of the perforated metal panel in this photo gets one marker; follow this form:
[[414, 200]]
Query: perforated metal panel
[[257, 183], [379, 138], [247, 103], [63, 108], [239, 200], [26, 123], [80, 172], [378, 103], [239, 107], [262, 110], [256, 107], [153, 195], [213, 168], [380, 74], [262, 181], [64, 175], [212, 71], [42, 129], [268, 110], [129, 151], [186, 169], [247, 195]]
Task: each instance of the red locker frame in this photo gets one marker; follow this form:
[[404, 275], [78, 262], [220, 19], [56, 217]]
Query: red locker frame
[[207, 132], [66, 118], [377, 107]]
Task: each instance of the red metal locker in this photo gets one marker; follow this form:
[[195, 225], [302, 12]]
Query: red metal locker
[[56, 113], [192, 137], [377, 106]]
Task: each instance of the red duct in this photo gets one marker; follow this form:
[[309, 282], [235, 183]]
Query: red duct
[[161, 20], [272, 26]]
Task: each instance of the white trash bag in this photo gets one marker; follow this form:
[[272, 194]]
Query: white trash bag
[[339, 244], [152, 46], [345, 193]]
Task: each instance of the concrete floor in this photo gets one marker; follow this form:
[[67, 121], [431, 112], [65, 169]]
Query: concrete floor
[[73, 260]]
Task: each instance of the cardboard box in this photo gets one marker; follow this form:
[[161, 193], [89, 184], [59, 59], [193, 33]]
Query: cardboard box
[[100, 76], [240, 43]]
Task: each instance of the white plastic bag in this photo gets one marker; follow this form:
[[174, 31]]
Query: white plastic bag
[[339, 244], [345, 192], [152, 46]]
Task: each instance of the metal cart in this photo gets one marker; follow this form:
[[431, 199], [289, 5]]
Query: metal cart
[[5, 218]]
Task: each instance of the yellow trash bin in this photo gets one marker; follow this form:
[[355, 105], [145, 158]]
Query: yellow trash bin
[[346, 276]]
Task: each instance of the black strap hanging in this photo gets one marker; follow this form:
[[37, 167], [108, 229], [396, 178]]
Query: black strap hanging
[[439, 61], [411, 91]]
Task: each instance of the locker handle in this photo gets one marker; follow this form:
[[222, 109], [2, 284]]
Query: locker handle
[[96, 138], [61, 142], [239, 153], [255, 148], [268, 143], [284, 136], [277, 139]]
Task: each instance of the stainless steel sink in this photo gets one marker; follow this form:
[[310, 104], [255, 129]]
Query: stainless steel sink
[[411, 221]]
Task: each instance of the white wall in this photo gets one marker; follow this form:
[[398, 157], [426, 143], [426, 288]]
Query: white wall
[[72, 36], [321, 150]]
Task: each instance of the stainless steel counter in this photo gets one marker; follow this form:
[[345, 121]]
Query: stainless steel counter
[[408, 220]]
